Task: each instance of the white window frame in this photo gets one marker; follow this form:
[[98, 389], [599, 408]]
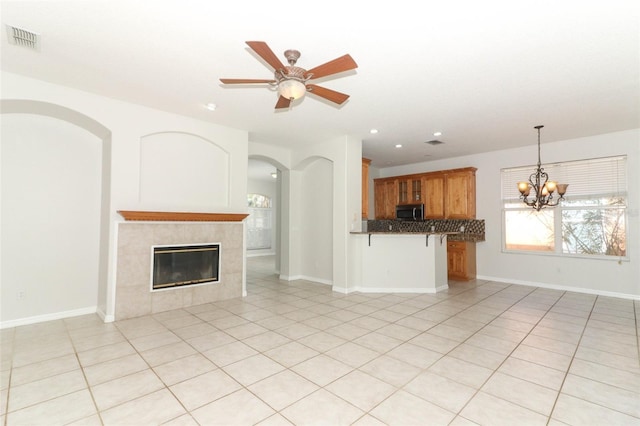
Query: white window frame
[[592, 178]]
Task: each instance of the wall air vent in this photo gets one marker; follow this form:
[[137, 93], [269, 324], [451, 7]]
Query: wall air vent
[[434, 142], [24, 38]]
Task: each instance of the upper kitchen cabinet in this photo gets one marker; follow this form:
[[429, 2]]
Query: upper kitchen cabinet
[[386, 194], [446, 194], [365, 187], [460, 193], [434, 200], [410, 190]]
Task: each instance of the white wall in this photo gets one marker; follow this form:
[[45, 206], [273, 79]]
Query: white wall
[[50, 216], [128, 125], [580, 274], [316, 208], [182, 169]]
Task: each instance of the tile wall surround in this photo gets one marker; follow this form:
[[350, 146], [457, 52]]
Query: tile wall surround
[[133, 294], [473, 228]]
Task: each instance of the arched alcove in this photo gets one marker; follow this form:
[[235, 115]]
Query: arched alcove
[[55, 212], [178, 168]]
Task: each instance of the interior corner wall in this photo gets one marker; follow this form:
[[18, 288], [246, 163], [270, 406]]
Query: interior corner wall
[[599, 276]]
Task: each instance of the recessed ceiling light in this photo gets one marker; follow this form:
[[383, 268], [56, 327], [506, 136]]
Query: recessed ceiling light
[[398, 145], [274, 175], [373, 131], [437, 134], [210, 106]]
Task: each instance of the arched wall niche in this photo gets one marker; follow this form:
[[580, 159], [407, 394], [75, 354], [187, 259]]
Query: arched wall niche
[[32, 312], [182, 169]]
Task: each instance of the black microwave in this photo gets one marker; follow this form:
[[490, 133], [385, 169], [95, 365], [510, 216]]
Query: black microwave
[[410, 212]]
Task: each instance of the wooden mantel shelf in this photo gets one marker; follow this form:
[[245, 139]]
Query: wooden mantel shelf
[[182, 216]]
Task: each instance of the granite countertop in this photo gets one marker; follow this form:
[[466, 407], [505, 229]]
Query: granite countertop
[[404, 232], [451, 235]]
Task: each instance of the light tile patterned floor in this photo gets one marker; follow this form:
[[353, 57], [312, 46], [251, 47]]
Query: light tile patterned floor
[[296, 353]]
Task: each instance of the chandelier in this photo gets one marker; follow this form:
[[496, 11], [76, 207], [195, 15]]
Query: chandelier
[[543, 188]]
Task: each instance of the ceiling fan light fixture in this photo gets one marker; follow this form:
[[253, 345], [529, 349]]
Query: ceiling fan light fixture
[[291, 89]]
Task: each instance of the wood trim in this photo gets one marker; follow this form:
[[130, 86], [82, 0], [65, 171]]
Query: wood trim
[[182, 216]]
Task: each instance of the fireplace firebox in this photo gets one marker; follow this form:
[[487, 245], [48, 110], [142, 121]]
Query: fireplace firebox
[[184, 265]]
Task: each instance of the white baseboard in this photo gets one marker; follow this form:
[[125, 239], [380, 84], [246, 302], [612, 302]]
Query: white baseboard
[[106, 318], [306, 278], [260, 253], [561, 287], [289, 278], [420, 290], [316, 280], [49, 317]]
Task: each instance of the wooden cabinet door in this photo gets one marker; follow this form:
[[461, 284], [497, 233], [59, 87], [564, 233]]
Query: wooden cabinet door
[[461, 260], [365, 187], [416, 190], [460, 195], [391, 197], [410, 190], [380, 199], [385, 193], [403, 191], [434, 197], [456, 260]]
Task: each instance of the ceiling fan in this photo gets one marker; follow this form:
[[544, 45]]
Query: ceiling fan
[[293, 82]]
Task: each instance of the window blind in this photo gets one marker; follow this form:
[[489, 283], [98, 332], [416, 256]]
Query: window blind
[[586, 178]]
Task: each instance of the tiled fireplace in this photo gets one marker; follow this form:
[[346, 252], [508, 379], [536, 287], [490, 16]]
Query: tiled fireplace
[[136, 240]]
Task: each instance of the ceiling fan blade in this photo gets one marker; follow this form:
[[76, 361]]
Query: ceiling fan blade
[[283, 102], [265, 52], [343, 63], [244, 81], [328, 94]]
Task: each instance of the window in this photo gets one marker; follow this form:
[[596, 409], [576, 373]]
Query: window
[[591, 221], [259, 222]]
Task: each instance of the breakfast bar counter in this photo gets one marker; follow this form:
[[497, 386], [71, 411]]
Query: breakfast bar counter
[[402, 262]]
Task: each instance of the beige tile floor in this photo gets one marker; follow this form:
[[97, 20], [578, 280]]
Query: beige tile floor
[[296, 353]]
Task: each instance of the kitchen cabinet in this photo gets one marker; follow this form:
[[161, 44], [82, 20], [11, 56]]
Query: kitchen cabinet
[[460, 194], [365, 188], [461, 260], [410, 190], [385, 193], [434, 200], [447, 194]]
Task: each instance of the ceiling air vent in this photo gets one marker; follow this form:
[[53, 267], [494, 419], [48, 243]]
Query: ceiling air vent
[[24, 38], [434, 142]]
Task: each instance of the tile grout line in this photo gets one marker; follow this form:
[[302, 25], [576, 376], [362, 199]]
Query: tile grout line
[[479, 389]]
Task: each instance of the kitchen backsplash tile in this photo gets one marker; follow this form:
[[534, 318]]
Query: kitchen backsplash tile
[[469, 229]]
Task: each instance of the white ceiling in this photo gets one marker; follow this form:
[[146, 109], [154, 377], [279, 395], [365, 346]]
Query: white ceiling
[[482, 72]]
